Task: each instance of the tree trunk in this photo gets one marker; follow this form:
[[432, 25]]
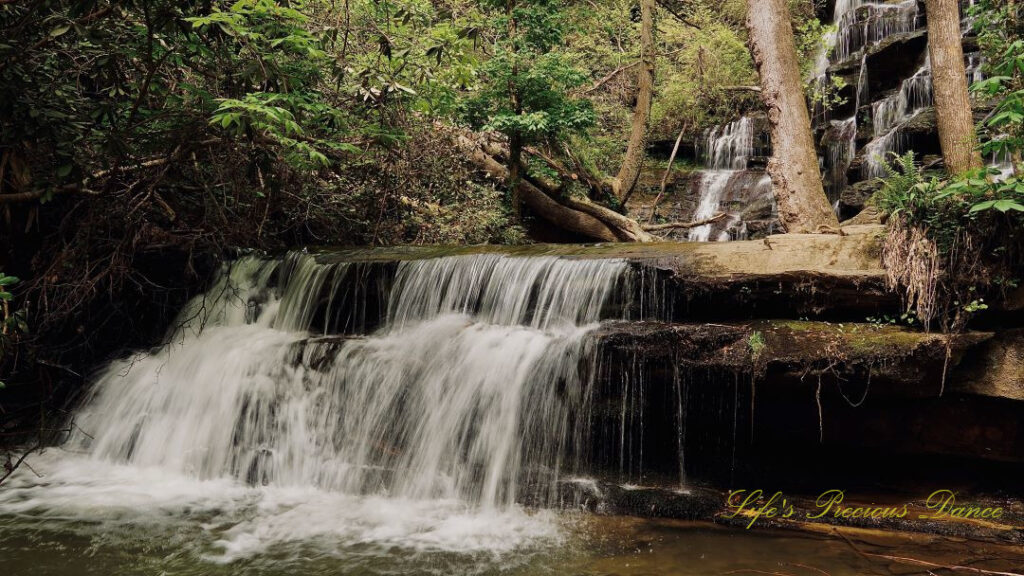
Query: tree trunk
[[624, 182], [796, 179], [949, 81]]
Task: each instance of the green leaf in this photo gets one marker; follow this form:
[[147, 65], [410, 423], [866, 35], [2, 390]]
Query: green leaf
[[982, 206], [59, 31], [8, 280], [1006, 205]]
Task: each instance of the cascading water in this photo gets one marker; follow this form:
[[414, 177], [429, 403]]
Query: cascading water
[[914, 94], [727, 151], [861, 24], [975, 61], [730, 147], [713, 185], [423, 433], [841, 150], [888, 116]]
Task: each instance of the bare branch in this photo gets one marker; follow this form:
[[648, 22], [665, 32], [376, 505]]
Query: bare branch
[[670, 225]]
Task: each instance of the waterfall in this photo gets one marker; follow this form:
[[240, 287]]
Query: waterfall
[[730, 147], [470, 380], [973, 68], [713, 187], [727, 152], [841, 149], [861, 24], [914, 94], [472, 393], [888, 116]]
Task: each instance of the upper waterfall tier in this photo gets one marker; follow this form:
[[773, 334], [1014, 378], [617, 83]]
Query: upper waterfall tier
[[731, 146], [731, 185]]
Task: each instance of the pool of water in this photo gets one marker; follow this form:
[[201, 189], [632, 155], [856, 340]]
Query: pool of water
[[587, 546], [79, 516]]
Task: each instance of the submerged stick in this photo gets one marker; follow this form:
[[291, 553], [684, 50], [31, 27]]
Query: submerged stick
[[924, 563]]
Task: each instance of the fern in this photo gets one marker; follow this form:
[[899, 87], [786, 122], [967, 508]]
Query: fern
[[902, 184]]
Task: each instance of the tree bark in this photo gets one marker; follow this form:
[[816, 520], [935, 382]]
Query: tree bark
[[624, 182], [949, 81], [515, 176], [796, 179]]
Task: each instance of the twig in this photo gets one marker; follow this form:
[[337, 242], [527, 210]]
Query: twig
[[664, 4], [11, 468], [80, 188], [753, 571], [742, 88], [925, 563], [811, 568], [620, 70]]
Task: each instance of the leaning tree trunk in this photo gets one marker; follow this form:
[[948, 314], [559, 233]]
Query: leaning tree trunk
[[796, 178], [949, 81], [624, 182]]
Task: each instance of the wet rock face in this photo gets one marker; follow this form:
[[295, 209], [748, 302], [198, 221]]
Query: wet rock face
[[775, 400], [853, 198], [677, 205]]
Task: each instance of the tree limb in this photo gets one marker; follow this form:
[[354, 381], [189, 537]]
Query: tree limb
[[82, 187], [756, 89], [924, 563], [545, 207], [578, 215], [631, 228], [680, 17], [11, 467], [619, 70], [670, 225], [42, 43], [668, 170], [624, 182]]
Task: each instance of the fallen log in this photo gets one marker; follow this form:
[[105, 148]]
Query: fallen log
[[577, 215]]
